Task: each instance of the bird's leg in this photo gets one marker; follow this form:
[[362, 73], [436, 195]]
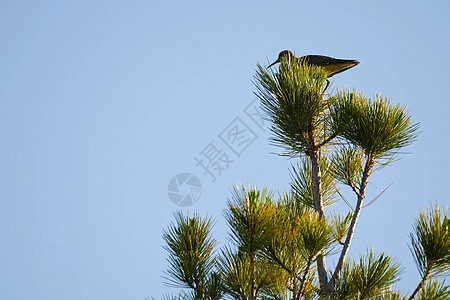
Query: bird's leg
[[326, 87]]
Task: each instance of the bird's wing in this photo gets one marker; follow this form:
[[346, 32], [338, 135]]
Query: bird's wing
[[332, 65], [340, 66]]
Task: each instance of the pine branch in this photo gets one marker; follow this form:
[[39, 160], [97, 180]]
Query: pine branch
[[279, 262], [301, 289], [421, 283], [327, 140], [361, 194]]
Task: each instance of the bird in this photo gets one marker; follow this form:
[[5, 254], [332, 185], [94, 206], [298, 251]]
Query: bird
[[331, 65]]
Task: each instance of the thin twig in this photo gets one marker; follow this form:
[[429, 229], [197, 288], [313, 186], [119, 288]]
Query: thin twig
[[327, 140], [278, 261]]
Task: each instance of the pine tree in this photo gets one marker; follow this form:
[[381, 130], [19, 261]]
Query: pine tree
[[279, 245]]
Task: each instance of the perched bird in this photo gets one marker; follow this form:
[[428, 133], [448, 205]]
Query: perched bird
[[332, 65]]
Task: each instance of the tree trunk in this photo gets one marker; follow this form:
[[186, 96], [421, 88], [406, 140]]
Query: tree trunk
[[318, 206], [317, 183], [253, 276]]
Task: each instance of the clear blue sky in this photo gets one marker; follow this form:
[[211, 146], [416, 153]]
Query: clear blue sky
[[101, 104]]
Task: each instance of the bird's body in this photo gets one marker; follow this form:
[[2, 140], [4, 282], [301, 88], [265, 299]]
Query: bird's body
[[332, 65]]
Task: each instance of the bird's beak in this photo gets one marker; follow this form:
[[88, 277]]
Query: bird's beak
[[277, 61]]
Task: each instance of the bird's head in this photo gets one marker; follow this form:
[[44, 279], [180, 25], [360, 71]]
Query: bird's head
[[284, 53]]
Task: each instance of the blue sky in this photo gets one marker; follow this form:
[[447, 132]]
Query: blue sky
[[102, 104]]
